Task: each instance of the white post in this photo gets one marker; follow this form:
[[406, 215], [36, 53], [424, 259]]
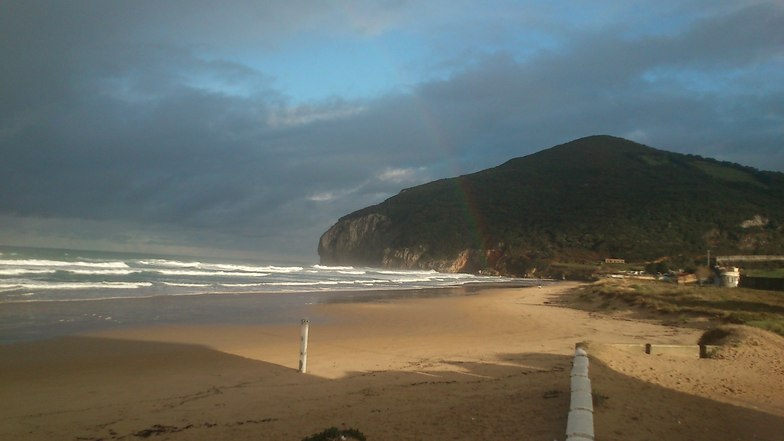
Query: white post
[[303, 346], [579, 421]]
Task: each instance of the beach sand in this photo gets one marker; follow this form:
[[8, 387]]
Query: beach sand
[[491, 365]]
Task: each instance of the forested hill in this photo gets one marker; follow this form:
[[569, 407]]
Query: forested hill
[[588, 199]]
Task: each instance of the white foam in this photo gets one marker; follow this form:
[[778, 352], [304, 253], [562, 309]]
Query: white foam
[[169, 263], [316, 283], [241, 285], [333, 268], [271, 269], [411, 280], [31, 278], [187, 285], [21, 271], [61, 263], [390, 272], [209, 273], [73, 285], [218, 266], [108, 272]]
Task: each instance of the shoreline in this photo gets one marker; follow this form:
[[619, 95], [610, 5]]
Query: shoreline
[[490, 365], [38, 320]]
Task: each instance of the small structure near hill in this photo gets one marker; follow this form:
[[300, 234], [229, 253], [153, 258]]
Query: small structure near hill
[[728, 276], [685, 278]]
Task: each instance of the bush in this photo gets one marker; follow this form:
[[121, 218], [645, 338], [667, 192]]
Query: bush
[[333, 434], [660, 267], [715, 336]]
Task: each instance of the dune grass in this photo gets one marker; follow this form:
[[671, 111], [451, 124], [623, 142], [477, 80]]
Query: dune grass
[[761, 309]]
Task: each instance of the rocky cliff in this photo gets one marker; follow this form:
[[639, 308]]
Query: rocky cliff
[[368, 240], [356, 241]]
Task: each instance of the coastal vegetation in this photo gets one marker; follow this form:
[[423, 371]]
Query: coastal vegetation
[[577, 203], [694, 305]]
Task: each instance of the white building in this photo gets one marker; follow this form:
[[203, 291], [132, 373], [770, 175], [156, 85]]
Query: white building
[[729, 277]]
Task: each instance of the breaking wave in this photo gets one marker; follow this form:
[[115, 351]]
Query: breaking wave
[[52, 275]]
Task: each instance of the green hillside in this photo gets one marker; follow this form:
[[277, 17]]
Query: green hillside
[[592, 198]]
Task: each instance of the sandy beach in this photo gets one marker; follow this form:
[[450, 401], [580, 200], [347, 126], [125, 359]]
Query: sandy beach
[[490, 365]]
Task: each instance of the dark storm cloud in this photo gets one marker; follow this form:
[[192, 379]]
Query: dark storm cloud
[[676, 90], [112, 112]]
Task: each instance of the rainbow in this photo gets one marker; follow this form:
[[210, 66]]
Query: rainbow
[[438, 138], [470, 208]]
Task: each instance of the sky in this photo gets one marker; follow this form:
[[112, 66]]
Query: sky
[[247, 128]]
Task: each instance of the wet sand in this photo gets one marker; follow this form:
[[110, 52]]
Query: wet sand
[[492, 365]]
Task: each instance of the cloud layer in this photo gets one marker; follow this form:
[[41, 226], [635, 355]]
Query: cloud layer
[[251, 128]]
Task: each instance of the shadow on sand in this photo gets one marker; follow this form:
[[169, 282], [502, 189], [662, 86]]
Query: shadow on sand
[[93, 389], [628, 408]]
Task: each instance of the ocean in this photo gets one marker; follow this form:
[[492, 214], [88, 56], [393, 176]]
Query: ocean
[[50, 292]]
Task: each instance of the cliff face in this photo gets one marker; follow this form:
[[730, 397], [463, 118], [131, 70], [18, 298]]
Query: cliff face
[[368, 241], [583, 201], [356, 241]]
